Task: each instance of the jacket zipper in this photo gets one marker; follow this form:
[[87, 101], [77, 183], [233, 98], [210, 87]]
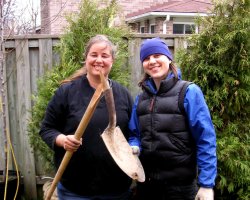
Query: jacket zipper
[[151, 107], [152, 104]]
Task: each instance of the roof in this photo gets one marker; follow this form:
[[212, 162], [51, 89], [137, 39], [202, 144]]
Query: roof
[[173, 7]]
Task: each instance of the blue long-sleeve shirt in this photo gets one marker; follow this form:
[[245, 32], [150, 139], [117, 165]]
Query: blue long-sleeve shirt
[[201, 128]]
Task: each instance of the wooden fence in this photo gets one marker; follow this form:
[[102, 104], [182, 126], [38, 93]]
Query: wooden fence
[[27, 58]]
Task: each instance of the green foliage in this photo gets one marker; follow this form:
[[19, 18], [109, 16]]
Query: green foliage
[[86, 24], [218, 62], [82, 26], [46, 88]]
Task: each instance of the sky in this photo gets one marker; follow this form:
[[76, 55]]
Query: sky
[[25, 8]]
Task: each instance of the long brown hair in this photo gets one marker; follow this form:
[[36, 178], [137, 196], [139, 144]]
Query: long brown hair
[[91, 42], [172, 68]]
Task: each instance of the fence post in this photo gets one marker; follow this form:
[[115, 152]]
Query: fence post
[[24, 106]]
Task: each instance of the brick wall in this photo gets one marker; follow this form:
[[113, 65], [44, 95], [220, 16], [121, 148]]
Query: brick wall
[[45, 25], [170, 27], [53, 14], [159, 24]]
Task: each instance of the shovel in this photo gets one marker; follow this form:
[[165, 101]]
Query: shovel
[[78, 134], [117, 144]]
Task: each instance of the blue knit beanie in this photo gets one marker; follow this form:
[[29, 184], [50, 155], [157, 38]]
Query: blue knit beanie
[[154, 46]]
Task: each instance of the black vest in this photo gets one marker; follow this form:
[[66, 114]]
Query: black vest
[[168, 149]]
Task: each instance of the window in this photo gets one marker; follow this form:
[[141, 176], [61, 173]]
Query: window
[[178, 28], [142, 29], [189, 28], [152, 28], [183, 28], [152, 25]]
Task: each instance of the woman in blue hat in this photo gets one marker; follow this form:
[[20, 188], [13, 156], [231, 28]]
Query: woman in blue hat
[[172, 131]]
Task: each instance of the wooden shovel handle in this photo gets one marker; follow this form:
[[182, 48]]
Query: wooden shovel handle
[[109, 98], [78, 134]]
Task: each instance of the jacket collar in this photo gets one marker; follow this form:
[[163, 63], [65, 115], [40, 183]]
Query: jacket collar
[[165, 86]]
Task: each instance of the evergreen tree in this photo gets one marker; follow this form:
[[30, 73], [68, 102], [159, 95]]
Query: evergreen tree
[[218, 61], [91, 20]]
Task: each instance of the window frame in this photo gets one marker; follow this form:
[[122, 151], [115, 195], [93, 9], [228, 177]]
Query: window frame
[[142, 28], [152, 24], [184, 27], [150, 30]]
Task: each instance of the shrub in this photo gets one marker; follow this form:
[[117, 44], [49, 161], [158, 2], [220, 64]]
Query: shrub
[[218, 62]]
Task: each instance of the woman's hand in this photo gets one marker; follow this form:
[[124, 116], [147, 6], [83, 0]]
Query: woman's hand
[[205, 194], [68, 142]]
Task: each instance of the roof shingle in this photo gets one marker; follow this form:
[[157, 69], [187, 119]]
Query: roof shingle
[[186, 6]]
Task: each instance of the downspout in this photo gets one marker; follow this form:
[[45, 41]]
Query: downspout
[[165, 24]]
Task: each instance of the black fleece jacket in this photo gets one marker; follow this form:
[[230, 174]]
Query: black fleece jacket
[[91, 170]]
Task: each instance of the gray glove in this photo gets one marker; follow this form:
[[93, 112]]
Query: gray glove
[[135, 150], [205, 194]]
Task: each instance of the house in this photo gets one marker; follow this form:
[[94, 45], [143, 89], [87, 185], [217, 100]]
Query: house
[[172, 17], [144, 16], [53, 11]]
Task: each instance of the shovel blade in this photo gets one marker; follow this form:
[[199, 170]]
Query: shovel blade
[[122, 154]]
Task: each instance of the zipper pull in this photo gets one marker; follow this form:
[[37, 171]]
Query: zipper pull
[[151, 104]]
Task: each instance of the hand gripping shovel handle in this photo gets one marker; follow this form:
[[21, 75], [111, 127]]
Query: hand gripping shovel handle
[[78, 134]]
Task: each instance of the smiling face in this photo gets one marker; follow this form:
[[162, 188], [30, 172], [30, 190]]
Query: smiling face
[[156, 66], [99, 57]]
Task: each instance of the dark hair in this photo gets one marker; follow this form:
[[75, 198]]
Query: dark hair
[[172, 67], [91, 42]]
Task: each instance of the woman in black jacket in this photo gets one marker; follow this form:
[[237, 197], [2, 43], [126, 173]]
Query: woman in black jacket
[[91, 172]]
